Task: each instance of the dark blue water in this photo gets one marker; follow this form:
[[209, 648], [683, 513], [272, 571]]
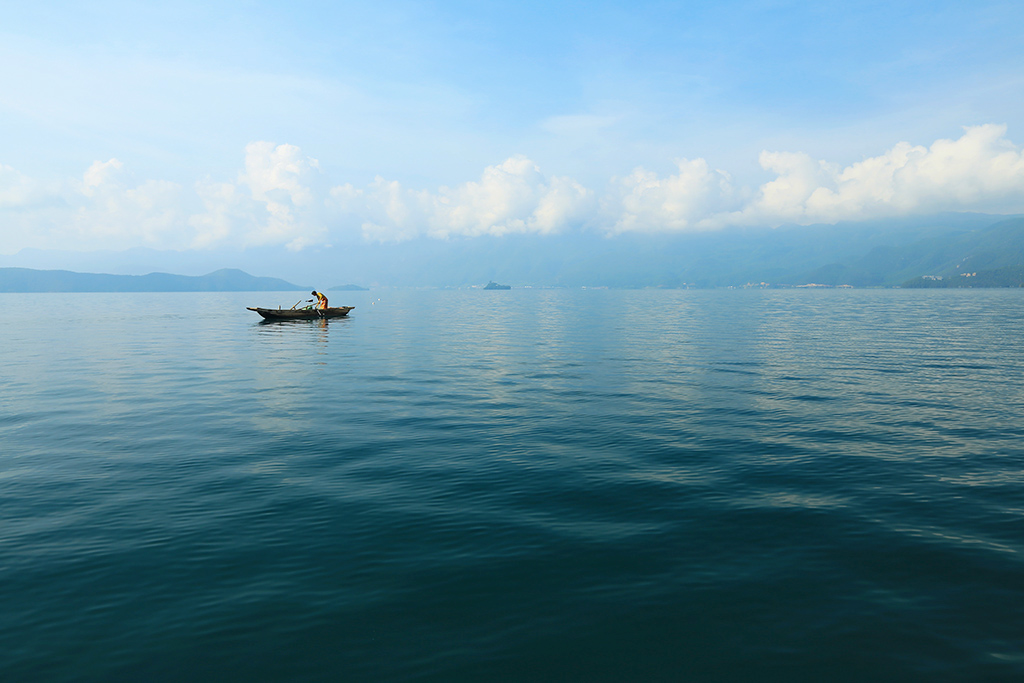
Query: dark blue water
[[523, 485]]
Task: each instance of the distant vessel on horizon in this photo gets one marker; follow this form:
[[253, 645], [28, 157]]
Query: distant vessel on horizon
[[494, 285]]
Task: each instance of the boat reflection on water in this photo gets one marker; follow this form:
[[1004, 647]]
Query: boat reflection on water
[[313, 334]]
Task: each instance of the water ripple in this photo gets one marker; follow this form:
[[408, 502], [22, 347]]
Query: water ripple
[[460, 486]]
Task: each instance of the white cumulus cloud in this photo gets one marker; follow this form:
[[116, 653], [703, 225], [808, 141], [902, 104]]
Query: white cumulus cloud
[[105, 208], [511, 197], [686, 201], [277, 199], [280, 197], [18, 190], [980, 171], [113, 209]]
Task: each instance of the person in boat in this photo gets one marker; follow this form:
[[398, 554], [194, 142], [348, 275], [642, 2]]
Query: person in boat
[[321, 300]]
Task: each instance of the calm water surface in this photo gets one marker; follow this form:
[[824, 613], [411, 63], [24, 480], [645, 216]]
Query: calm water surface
[[520, 485]]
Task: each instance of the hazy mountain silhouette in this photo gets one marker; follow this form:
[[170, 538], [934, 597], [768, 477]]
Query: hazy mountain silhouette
[[985, 257], [886, 252], [225, 280]]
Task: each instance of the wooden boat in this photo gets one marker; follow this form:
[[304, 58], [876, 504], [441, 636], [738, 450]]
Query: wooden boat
[[301, 313]]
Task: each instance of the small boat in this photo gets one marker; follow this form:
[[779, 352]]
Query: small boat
[[301, 313]]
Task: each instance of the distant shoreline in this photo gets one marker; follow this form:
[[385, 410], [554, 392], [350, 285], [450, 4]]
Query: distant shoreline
[[32, 281]]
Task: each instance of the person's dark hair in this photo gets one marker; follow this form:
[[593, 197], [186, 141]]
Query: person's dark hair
[[313, 292]]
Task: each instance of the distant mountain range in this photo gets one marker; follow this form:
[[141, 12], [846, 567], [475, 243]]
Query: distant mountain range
[[225, 280], [986, 257], [882, 253], [931, 251], [946, 250]]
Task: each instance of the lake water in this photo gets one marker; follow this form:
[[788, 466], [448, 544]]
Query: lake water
[[585, 485]]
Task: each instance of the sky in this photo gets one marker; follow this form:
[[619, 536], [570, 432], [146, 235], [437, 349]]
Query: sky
[[301, 125]]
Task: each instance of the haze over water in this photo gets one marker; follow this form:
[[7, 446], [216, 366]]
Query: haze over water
[[517, 485]]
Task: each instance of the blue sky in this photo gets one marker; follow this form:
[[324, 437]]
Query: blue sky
[[197, 125]]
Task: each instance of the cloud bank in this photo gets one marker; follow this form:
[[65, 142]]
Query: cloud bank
[[511, 197], [281, 197]]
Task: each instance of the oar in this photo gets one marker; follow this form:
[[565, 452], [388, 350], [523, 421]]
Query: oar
[[296, 304]]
